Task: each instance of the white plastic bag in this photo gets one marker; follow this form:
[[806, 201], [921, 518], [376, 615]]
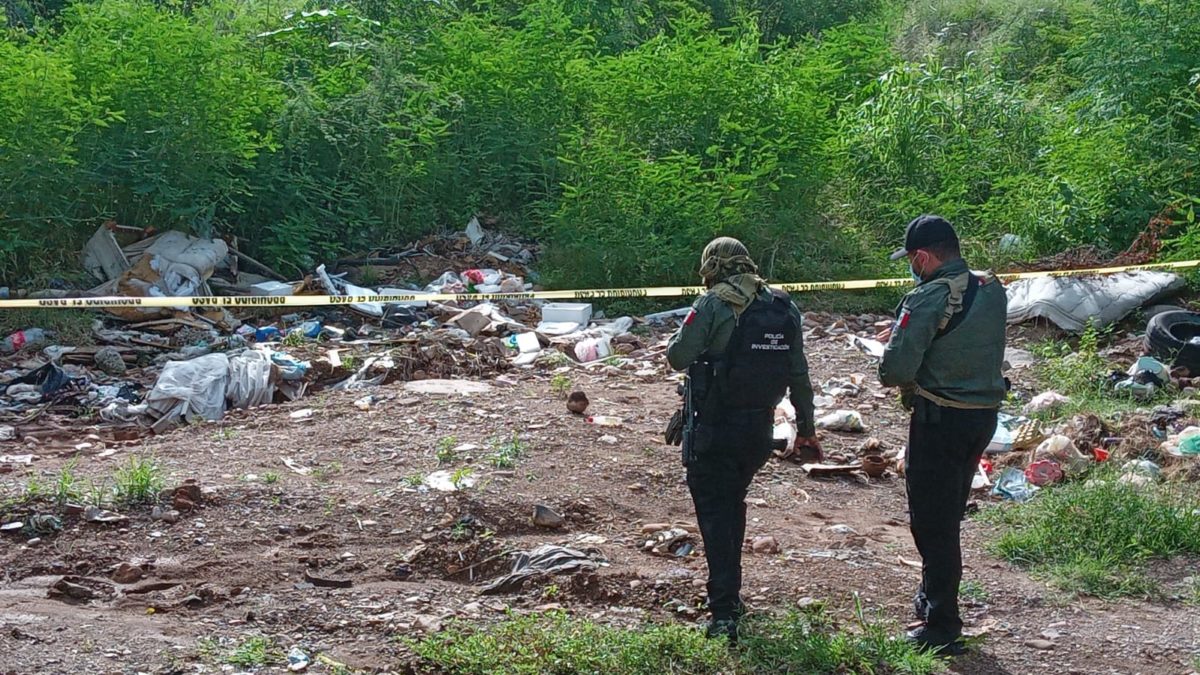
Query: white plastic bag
[[195, 387], [842, 420], [250, 380]]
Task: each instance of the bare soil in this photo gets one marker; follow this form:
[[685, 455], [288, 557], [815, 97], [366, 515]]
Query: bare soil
[[258, 555]]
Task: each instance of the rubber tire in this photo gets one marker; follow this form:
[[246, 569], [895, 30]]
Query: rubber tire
[[1167, 337]]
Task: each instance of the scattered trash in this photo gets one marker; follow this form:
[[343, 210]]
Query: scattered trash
[[1146, 376], [872, 348], [1046, 402], [1043, 472], [839, 388], [448, 387], [675, 542], [1012, 484], [605, 421], [447, 481], [545, 560], [818, 470], [30, 338], [845, 530], [95, 514], [980, 480], [544, 516], [326, 582], [1029, 435], [302, 415], [1061, 450], [1002, 441], [842, 420], [298, 661], [874, 465]]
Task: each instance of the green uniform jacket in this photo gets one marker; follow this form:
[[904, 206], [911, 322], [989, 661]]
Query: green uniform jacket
[[963, 366], [706, 333]]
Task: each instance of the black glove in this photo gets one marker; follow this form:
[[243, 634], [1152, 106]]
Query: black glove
[[674, 431]]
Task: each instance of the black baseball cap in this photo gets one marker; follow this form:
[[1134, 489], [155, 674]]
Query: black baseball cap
[[923, 231]]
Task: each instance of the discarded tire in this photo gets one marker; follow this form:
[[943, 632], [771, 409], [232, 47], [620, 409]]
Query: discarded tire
[[1168, 338]]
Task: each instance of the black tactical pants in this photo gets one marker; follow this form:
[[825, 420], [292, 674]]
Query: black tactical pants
[[944, 447], [726, 457]]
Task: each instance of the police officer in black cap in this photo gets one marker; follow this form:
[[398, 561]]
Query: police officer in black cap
[[945, 352]]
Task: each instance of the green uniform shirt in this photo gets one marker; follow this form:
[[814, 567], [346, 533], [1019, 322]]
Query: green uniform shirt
[[964, 365], [706, 333]]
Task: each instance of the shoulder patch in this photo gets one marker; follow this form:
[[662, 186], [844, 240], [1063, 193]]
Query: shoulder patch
[[691, 316], [902, 322]]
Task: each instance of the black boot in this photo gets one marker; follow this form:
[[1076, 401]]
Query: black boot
[[932, 640], [726, 628]]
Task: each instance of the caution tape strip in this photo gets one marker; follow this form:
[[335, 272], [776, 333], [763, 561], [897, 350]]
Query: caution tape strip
[[595, 293]]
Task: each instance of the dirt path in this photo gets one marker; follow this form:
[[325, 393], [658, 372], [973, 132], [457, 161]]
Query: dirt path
[[252, 557]]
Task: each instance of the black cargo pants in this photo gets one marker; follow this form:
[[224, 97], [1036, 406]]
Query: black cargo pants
[[727, 454], [944, 447]]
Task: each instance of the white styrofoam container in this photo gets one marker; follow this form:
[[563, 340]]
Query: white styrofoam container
[[567, 312], [271, 288]]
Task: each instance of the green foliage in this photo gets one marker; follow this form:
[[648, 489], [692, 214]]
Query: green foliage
[[445, 452], [622, 134], [1094, 536], [796, 643], [139, 481], [253, 652], [508, 452]]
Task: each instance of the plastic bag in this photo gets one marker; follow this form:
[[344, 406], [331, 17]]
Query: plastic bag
[[250, 380], [593, 349], [841, 420], [195, 387]]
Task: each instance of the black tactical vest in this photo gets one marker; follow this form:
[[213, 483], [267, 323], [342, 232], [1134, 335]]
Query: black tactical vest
[[756, 369]]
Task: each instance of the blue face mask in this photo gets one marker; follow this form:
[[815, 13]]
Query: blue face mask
[[916, 277]]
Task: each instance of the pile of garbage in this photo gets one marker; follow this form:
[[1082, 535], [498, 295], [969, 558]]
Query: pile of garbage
[[155, 368]]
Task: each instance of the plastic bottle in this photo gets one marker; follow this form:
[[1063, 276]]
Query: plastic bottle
[[605, 421], [23, 339]]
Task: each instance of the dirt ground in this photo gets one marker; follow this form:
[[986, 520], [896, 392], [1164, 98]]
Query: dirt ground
[[256, 555]]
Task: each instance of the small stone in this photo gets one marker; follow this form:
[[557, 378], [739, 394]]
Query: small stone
[[841, 529], [764, 545], [1044, 645], [577, 402], [609, 440], [651, 528], [548, 607], [128, 574], [427, 623]]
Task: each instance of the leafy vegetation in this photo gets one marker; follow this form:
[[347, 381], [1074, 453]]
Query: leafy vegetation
[[792, 643], [1095, 536], [623, 135]]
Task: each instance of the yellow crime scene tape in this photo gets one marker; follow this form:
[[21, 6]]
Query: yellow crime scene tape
[[269, 301]]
